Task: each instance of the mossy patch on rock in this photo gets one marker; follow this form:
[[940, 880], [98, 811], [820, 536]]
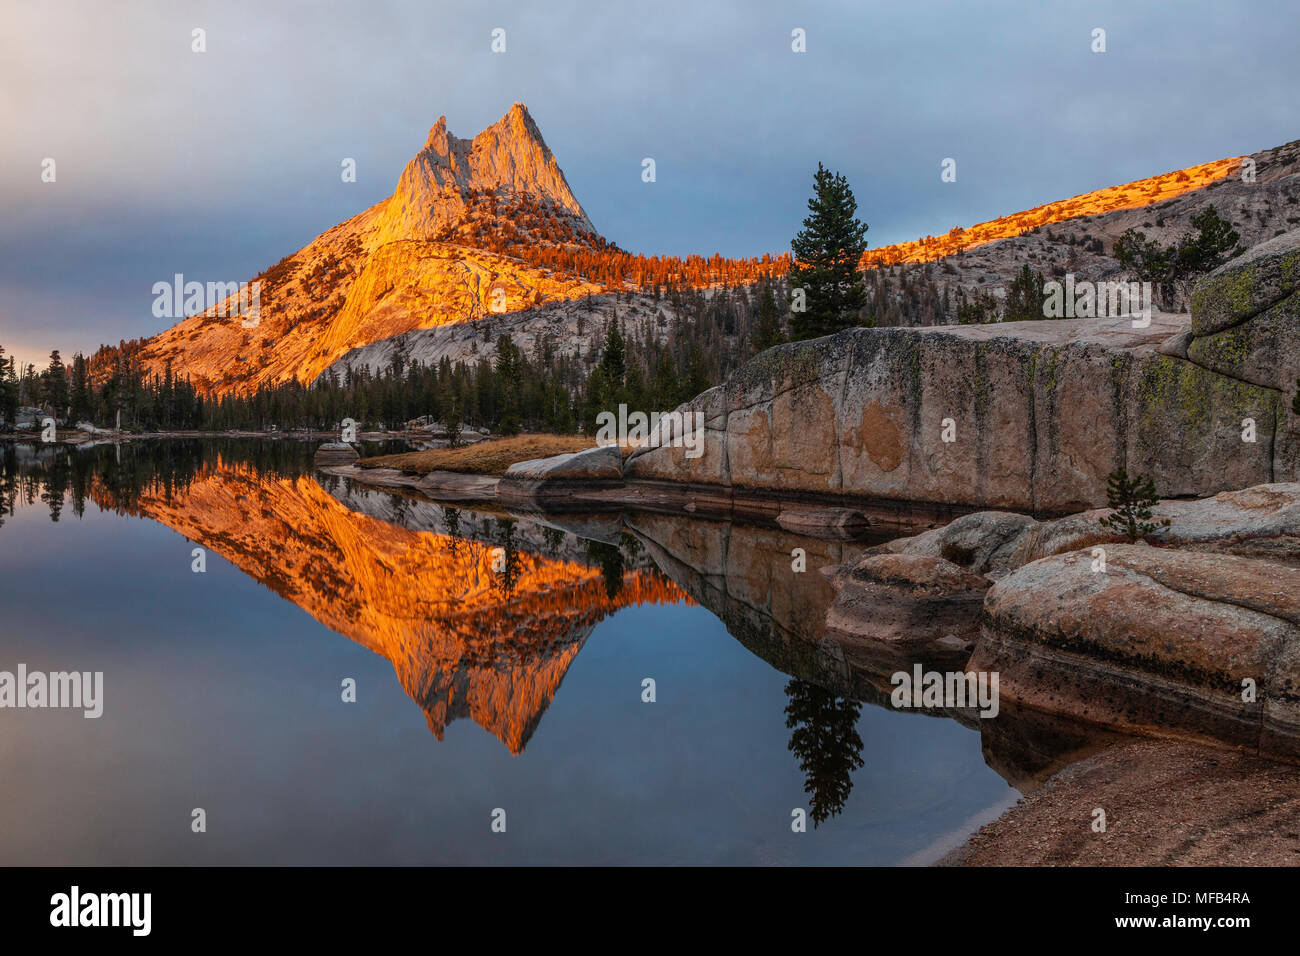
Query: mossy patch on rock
[[1248, 284]]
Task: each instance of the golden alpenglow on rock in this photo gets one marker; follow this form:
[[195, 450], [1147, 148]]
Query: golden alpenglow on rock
[[429, 255]]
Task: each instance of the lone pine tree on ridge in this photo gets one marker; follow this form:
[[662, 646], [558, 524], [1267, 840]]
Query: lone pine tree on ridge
[[827, 252]]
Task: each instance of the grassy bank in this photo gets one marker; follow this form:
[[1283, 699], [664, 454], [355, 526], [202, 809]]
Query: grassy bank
[[490, 457]]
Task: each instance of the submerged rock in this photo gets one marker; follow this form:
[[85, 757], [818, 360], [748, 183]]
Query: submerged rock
[[904, 605], [837, 522], [335, 453]]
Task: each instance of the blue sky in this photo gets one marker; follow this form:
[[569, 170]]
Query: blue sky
[[215, 165]]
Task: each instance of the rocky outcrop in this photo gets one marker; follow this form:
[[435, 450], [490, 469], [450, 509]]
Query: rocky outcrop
[[561, 475], [925, 593], [593, 464], [896, 595], [1248, 285], [1028, 415], [1138, 638], [1246, 323], [510, 157], [1263, 521], [983, 542], [1157, 640]]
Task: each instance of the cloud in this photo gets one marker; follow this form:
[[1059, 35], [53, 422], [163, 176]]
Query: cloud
[[218, 164]]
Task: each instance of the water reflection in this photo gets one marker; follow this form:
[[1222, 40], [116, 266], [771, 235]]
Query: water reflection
[[825, 739], [482, 612]]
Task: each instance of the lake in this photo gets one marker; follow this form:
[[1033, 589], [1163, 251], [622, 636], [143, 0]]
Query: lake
[[348, 676]]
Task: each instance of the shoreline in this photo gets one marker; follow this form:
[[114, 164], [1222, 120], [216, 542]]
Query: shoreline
[[665, 497], [109, 436], [1167, 802]]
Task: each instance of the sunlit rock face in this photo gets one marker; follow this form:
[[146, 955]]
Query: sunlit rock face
[[1026, 415], [1135, 195], [453, 245], [510, 156], [465, 639], [418, 260], [1020, 415]]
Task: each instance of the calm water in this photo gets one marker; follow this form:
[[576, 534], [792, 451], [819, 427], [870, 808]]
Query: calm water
[[498, 662]]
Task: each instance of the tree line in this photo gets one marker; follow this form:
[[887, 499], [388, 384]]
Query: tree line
[[648, 361], [724, 312]]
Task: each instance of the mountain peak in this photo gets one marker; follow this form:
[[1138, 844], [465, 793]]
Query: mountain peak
[[509, 158], [518, 123], [437, 139]]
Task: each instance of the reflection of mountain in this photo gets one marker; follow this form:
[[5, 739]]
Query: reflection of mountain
[[462, 644]]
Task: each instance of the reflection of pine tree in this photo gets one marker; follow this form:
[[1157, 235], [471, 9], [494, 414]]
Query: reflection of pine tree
[[631, 546], [8, 481], [452, 515], [56, 485], [826, 741], [506, 579], [554, 538], [610, 560]]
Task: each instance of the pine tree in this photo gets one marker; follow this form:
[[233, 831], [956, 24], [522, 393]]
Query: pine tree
[[697, 375], [8, 389], [79, 395], [827, 252], [613, 360], [509, 379], [1214, 242], [54, 383], [1131, 501], [1025, 297], [1178, 265], [767, 329]]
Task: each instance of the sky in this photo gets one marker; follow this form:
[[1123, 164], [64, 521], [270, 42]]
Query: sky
[[217, 164]]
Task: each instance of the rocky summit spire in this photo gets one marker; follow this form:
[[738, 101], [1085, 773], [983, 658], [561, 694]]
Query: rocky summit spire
[[437, 140], [509, 157]]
